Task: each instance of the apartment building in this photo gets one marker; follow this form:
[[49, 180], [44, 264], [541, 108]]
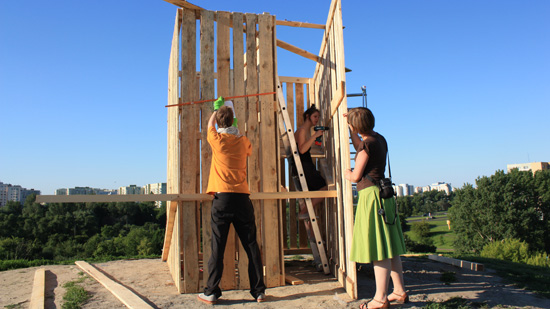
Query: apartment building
[[533, 167], [16, 193], [84, 191], [131, 189]]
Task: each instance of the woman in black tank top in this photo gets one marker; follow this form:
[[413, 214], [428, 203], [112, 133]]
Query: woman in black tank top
[[304, 141]]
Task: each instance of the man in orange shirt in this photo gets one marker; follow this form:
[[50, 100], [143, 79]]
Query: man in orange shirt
[[231, 204]]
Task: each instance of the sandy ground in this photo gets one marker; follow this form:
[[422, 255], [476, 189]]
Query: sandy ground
[[150, 279]]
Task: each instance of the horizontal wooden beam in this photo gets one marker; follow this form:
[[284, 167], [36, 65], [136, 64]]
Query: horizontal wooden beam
[[296, 80], [292, 195], [121, 198], [176, 197], [299, 24], [184, 4], [298, 51], [297, 251]]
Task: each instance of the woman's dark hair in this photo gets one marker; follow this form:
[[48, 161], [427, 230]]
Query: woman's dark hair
[[224, 117], [310, 111]]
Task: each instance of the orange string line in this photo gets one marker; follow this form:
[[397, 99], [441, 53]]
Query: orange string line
[[234, 97]]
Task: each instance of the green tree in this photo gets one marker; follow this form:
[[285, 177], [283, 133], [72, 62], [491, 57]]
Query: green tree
[[504, 205]]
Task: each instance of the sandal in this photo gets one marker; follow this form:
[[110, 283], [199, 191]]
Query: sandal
[[400, 299], [383, 305]]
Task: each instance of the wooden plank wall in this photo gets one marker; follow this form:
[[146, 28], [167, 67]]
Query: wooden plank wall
[[227, 68], [328, 79]]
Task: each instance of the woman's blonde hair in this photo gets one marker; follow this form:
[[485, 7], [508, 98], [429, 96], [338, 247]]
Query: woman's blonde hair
[[361, 119], [224, 117]]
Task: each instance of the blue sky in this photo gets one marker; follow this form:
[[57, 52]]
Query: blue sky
[[459, 88]]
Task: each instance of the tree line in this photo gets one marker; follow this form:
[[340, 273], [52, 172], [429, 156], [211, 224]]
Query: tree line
[[504, 206], [499, 208], [65, 231]]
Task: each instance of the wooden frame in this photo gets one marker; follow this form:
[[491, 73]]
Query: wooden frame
[[238, 56]]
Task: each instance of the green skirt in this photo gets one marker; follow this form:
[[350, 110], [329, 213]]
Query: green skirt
[[373, 239]]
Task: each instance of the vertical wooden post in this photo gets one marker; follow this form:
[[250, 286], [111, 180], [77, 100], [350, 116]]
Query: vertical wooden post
[[172, 239], [207, 92], [223, 67], [268, 148], [252, 124], [188, 155], [240, 110], [300, 108], [293, 223]]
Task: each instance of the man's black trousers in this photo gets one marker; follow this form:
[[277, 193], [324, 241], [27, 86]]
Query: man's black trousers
[[234, 208]]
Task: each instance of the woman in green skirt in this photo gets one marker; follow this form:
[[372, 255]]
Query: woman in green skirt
[[377, 238]]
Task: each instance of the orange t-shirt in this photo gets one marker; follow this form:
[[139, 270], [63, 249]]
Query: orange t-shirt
[[228, 169]]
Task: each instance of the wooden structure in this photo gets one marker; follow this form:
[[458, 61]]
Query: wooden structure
[[238, 57]]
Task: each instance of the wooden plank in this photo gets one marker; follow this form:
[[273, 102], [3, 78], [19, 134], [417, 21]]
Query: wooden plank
[[291, 79], [228, 280], [207, 92], [38, 297], [171, 216], [457, 262], [269, 144], [281, 210], [282, 178], [328, 26], [298, 51], [300, 109], [184, 4], [347, 195], [189, 163], [172, 181], [290, 279], [240, 111], [338, 98], [292, 218], [121, 198], [292, 194], [176, 197], [252, 124], [331, 58], [299, 24], [295, 251], [125, 295], [299, 89]]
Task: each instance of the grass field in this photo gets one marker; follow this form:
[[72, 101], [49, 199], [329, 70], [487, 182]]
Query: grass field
[[442, 237]]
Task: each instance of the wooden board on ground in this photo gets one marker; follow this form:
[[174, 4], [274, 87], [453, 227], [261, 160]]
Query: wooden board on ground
[[456, 262], [38, 289], [290, 279], [125, 295]]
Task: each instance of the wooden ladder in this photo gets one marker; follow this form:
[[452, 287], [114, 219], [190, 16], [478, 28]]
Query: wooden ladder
[[291, 148]]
